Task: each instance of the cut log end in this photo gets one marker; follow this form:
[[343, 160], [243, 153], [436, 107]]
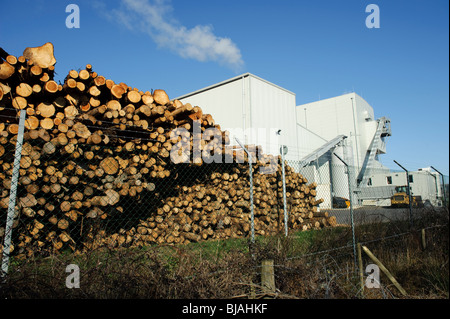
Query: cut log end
[[41, 56], [161, 97]]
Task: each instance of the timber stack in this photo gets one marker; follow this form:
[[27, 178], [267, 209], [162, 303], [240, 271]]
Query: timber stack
[[105, 164]]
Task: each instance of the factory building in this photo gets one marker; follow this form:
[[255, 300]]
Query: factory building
[[346, 126], [252, 110], [424, 183], [259, 112]]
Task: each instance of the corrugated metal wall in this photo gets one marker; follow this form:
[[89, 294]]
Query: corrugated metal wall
[[252, 109], [273, 109], [223, 102]]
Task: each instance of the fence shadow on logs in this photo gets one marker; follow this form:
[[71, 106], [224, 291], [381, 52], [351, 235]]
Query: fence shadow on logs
[[88, 195]]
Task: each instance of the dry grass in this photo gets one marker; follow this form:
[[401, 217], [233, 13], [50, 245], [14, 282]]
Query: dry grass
[[314, 264]]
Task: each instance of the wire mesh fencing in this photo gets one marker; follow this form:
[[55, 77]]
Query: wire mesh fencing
[[384, 200], [86, 188], [89, 164], [122, 189], [98, 195], [113, 189]]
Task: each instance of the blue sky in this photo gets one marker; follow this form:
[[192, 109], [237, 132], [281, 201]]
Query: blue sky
[[316, 49]]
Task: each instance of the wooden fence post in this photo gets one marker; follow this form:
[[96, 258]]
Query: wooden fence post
[[424, 241], [267, 275], [384, 269]]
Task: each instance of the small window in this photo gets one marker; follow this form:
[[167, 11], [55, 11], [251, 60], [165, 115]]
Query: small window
[[411, 180], [369, 182], [389, 180]]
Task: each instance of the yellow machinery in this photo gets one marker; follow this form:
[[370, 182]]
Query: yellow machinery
[[401, 198], [340, 202]]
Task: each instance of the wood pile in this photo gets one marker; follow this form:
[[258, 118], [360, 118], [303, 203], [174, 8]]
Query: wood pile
[[97, 167], [219, 208]]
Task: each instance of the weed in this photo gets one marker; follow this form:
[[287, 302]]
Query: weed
[[311, 264]]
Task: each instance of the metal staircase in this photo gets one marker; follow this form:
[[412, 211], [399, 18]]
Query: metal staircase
[[321, 150], [383, 130]]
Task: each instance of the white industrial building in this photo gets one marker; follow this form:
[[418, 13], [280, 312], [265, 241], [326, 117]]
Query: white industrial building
[[424, 182], [254, 109], [346, 126], [251, 109]]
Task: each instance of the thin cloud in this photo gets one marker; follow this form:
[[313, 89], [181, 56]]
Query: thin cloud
[[198, 43]]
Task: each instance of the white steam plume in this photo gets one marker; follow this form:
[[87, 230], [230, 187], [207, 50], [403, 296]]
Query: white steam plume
[[199, 42]]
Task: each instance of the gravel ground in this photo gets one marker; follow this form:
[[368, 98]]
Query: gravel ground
[[369, 214]]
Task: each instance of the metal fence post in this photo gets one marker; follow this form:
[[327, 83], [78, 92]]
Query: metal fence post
[[409, 193], [361, 272], [284, 192], [351, 208], [444, 196], [12, 196], [252, 216]]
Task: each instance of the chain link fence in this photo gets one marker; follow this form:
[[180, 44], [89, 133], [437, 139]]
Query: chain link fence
[[76, 193], [113, 190], [384, 199], [86, 196]]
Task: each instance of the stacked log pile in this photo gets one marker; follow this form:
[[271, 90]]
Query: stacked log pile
[[219, 208], [98, 153]]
